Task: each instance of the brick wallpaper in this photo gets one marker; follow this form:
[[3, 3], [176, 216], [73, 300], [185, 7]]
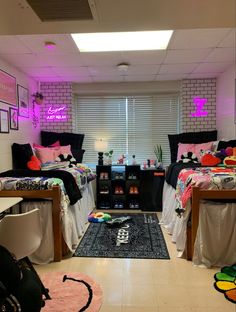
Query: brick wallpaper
[[203, 88], [56, 95]]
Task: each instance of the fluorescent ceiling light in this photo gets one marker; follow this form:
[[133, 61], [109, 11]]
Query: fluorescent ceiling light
[[123, 41]]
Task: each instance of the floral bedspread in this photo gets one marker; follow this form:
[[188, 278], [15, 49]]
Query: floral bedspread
[[204, 177]]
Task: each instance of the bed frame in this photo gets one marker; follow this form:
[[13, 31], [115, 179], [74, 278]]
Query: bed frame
[[199, 194], [54, 195]]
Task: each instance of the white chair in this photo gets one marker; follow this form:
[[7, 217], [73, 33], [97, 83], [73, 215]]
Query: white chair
[[21, 234]]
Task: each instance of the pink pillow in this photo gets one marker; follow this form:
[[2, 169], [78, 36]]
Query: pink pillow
[[183, 148], [203, 146], [45, 154], [62, 150], [56, 144]]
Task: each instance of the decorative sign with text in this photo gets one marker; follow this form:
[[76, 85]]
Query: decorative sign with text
[[56, 113], [199, 103]]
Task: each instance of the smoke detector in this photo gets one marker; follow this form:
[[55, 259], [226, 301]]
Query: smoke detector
[[123, 67]]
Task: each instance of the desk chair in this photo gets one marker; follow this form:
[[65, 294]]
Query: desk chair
[[21, 234]]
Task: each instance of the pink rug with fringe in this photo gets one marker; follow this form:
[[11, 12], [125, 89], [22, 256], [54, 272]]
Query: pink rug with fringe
[[71, 292]]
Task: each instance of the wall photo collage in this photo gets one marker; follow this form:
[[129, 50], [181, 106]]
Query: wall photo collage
[[17, 97]]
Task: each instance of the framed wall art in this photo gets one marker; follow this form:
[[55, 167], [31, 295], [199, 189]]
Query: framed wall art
[[7, 88], [4, 122], [23, 101], [13, 112]]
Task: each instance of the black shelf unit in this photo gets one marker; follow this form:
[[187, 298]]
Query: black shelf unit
[[118, 187]]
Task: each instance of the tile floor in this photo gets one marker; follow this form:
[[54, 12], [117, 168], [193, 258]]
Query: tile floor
[[137, 285]]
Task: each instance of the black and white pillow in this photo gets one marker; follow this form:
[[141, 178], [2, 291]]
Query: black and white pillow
[[188, 157]]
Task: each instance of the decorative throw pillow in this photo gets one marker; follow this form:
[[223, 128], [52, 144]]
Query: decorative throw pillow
[[188, 157], [184, 148], [21, 154], [45, 154], [34, 163], [55, 144], [198, 148]]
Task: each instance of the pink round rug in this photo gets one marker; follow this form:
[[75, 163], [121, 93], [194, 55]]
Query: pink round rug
[[69, 294]]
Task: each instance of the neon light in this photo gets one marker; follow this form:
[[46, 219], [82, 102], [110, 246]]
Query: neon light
[[54, 113], [199, 103]]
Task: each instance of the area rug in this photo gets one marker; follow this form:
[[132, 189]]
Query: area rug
[[226, 282], [71, 292], [140, 238]]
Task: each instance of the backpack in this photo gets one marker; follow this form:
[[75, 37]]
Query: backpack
[[20, 288]]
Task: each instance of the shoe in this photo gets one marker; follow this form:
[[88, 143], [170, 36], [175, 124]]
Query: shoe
[[101, 175], [121, 190], [105, 175], [136, 205], [120, 205], [135, 190], [116, 205], [131, 205], [117, 190], [118, 221], [131, 190]]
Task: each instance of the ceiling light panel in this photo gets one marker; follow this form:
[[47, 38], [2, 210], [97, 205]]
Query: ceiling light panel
[[123, 41]]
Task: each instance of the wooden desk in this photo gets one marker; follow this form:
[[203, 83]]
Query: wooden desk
[[8, 202]]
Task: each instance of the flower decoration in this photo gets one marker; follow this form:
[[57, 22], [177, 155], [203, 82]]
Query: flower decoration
[[226, 282]]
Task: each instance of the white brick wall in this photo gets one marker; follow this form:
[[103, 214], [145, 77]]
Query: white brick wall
[[203, 88], [56, 94]]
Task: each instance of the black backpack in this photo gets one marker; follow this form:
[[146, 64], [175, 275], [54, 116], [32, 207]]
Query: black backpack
[[20, 288]]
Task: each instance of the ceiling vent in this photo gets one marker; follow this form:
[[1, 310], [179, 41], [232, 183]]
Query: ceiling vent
[[63, 10]]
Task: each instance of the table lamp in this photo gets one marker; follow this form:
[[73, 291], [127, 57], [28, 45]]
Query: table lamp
[[100, 146]]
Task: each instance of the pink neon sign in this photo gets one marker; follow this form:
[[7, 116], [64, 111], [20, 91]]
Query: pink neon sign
[[56, 113], [199, 103]]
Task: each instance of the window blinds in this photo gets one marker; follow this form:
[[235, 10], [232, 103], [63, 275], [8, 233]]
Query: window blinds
[[131, 125]]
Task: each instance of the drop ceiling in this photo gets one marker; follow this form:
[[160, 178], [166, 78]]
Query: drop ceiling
[[197, 49]]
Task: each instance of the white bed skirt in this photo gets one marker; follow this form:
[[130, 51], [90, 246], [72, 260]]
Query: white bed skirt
[[73, 220], [215, 243]]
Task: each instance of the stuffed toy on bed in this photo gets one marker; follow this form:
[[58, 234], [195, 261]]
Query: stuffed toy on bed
[[67, 157], [188, 157]]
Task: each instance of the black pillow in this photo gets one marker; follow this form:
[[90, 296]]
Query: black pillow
[[48, 138], [78, 154], [65, 138], [21, 154], [189, 137], [225, 144], [74, 139]]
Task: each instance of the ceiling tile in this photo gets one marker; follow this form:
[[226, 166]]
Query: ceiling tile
[[143, 70], [108, 78], [211, 68], [229, 40], [24, 60], [201, 75], [143, 57], [176, 68], [139, 78], [197, 38], [101, 58], [221, 55], [39, 71], [11, 44], [77, 79], [162, 77], [71, 71], [36, 43], [69, 59], [186, 56]]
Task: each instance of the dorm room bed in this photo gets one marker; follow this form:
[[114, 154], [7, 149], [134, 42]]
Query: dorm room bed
[[200, 216], [64, 205]]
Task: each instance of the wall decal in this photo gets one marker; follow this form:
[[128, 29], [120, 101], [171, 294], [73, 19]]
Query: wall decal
[[56, 113]]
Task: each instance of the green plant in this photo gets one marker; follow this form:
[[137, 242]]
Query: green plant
[[109, 153], [158, 152]]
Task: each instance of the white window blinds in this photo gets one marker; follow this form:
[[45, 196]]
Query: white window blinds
[[131, 125]]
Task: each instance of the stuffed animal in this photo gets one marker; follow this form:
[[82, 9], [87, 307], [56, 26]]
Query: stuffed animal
[[188, 157], [34, 163], [230, 161], [67, 157], [121, 159], [210, 160]]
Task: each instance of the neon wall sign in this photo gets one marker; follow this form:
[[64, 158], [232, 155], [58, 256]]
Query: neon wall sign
[[56, 113], [199, 103]]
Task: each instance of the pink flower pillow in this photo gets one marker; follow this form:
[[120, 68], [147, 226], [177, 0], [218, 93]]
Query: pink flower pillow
[[208, 146], [45, 154], [184, 148]]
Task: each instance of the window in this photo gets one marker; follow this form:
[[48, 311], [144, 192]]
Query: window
[[132, 125]]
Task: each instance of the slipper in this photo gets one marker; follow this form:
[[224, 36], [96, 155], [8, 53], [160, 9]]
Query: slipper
[[118, 221]]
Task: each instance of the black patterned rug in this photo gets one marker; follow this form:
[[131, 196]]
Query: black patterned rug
[[141, 238]]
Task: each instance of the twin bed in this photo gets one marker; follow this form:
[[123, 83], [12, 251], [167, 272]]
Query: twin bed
[[199, 211], [64, 196]]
